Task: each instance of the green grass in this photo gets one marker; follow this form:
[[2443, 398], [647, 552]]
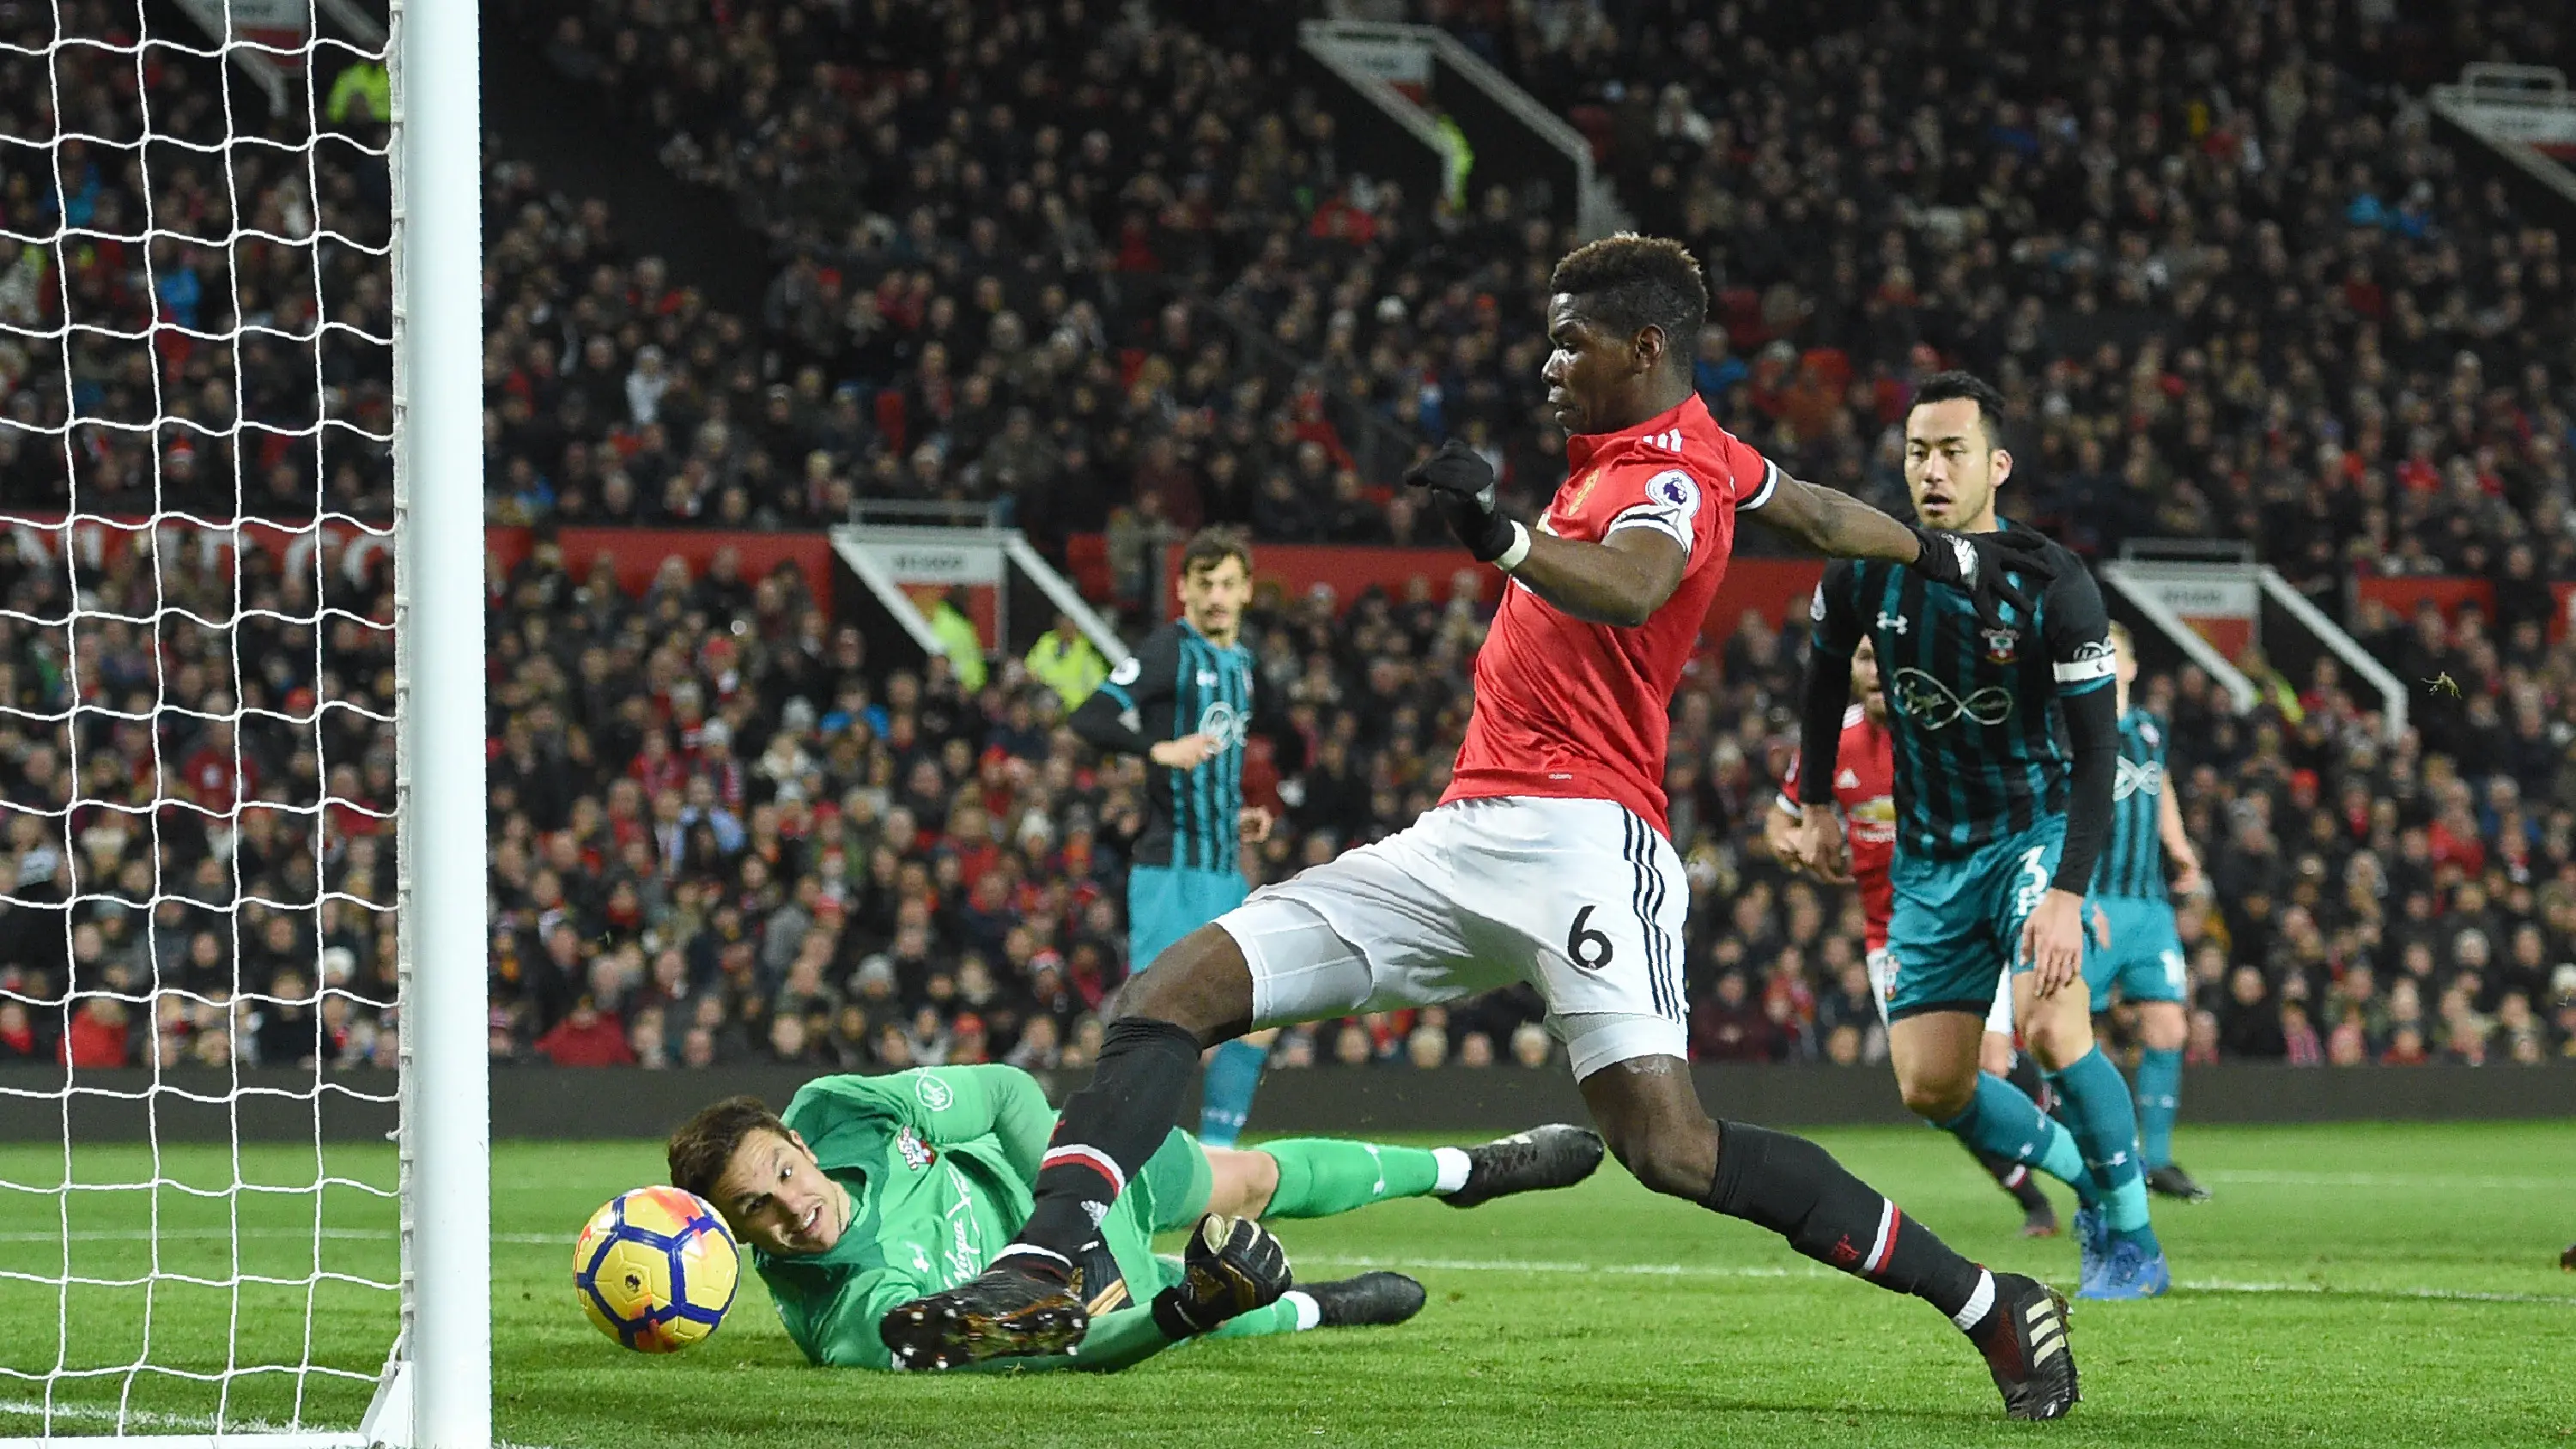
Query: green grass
[[2350, 1285]]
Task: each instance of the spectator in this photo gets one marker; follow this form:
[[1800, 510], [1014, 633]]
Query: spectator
[[587, 1037]]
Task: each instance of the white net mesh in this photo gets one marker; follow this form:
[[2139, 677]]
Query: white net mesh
[[198, 949]]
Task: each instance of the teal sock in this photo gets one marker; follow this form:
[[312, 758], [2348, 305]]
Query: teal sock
[[2159, 1102], [2105, 1124], [2002, 1120], [1225, 1092], [1321, 1176]]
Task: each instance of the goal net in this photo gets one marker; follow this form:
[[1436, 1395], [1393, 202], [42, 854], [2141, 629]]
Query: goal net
[[240, 965]]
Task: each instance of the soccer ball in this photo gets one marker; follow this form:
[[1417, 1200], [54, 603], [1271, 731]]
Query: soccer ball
[[655, 1269]]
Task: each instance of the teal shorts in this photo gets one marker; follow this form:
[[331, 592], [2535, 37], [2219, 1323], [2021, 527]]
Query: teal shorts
[[1167, 902], [2144, 959], [1957, 921]]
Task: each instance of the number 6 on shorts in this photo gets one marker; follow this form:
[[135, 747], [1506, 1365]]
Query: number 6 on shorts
[[1590, 949]]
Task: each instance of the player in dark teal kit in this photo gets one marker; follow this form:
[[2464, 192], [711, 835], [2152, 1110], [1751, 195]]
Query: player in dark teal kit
[[1184, 700], [2006, 758], [2143, 961]]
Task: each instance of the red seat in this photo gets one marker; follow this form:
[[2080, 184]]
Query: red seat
[[1086, 557], [890, 418]]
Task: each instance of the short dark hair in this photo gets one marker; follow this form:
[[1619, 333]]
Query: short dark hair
[[1949, 386], [1632, 282], [707, 1142], [1212, 546]]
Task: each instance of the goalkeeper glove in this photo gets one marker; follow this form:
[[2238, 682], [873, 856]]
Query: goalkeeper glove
[[1462, 488], [1981, 566], [1232, 1266]]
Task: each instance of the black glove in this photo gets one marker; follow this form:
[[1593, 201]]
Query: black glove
[[1232, 1266], [1462, 487], [1976, 564]]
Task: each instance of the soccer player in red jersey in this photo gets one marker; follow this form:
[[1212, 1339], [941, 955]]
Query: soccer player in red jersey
[[1547, 861], [1865, 789]]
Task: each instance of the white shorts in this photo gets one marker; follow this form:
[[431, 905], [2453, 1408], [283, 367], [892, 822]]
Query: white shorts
[[1999, 1017], [1579, 898]]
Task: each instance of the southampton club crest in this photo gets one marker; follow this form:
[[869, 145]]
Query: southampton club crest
[[2003, 646]]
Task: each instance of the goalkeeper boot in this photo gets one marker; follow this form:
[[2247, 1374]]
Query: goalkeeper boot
[[2024, 1339], [1556, 1155], [2131, 1270], [1021, 1307], [1367, 1301], [1232, 1266], [2171, 1181]]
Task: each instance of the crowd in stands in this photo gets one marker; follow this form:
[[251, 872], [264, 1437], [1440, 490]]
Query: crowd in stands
[[2231, 281], [213, 332], [1049, 256]]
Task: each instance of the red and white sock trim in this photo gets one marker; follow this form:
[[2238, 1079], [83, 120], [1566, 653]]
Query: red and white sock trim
[[1979, 1304], [1097, 1161], [1883, 1247]]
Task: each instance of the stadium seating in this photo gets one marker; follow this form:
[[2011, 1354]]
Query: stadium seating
[[909, 874]]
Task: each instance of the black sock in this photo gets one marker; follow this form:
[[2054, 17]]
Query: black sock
[[2025, 1075], [1796, 1189], [2011, 1176], [1106, 1132]]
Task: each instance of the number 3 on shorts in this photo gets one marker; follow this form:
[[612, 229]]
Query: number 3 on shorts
[[1589, 948]]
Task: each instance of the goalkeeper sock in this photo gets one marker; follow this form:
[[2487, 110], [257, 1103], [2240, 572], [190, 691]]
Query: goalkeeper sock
[[2001, 1120], [1321, 1176], [1107, 1131], [1796, 1189], [1225, 1098], [2105, 1126], [2159, 1102], [1295, 1312]]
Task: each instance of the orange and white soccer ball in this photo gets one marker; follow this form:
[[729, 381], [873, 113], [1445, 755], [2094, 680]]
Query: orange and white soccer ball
[[655, 1269]]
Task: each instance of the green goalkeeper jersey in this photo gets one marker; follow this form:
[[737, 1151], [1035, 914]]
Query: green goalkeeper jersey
[[940, 1163]]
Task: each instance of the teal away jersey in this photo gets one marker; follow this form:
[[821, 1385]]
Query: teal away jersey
[[2133, 863], [1981, 746], [1177, 683]]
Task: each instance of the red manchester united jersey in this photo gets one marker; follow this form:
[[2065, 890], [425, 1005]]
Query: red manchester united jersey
[[1865, 786], [1575, 710]]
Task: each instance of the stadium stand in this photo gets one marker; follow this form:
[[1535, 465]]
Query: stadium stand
[[2234, 285]]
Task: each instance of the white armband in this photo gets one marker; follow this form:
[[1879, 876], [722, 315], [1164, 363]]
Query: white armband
[[1510, 558]]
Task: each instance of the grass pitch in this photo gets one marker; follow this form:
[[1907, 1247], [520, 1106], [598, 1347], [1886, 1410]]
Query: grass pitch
[[2349, 1286]]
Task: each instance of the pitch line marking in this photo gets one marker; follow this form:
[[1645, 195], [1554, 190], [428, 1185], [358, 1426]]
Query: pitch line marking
[[2271, 1178], [1728, 1270], [151, 1419]]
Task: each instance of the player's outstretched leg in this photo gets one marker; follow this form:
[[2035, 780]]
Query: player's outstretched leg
[[1319, 1177], [1935, 1054], [1028, 1300], [1648, 1111]]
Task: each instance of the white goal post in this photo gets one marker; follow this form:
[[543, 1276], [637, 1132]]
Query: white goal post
[[183, 289]]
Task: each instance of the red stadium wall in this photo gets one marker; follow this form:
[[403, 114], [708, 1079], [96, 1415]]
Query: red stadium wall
[[2450, 593], [640, 551]]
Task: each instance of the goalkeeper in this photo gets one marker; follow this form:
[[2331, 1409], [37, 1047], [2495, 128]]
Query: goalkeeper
[[872, 1191]]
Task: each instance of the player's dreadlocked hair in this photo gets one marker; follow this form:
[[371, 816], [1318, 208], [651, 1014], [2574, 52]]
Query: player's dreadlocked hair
[[1630, 282], [706, 1142], [1948, 386]]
